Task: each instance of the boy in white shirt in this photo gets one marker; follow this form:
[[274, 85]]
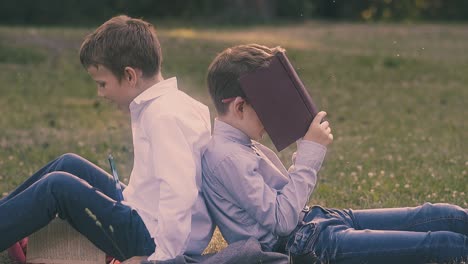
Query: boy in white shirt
[[163, 213]]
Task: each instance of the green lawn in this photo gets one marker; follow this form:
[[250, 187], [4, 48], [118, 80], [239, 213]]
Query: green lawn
[[396, 96]]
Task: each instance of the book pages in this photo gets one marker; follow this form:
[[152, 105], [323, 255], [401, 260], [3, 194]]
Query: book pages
[[59, 243]]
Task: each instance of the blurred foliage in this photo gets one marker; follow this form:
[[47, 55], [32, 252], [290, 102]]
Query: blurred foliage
[[230, 11], [20, 55]]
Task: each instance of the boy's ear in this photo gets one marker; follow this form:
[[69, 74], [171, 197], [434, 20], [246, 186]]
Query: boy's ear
[[238, 107], [130, 75]]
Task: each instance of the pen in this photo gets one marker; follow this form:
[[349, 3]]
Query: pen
[[116, 178]]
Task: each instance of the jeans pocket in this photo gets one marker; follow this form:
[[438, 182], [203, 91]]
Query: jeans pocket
[[303, 241]]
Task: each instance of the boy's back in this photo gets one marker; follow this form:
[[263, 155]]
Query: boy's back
[[248, 190], [159, 113]]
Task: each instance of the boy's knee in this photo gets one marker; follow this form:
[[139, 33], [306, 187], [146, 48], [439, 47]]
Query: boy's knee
[[69, 160], [70, 157], [59, 180], [445, 210], [437, 207], [446, 240], [443, 207]]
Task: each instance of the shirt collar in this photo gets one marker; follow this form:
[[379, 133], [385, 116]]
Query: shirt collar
[[156, 91], [229, 132]]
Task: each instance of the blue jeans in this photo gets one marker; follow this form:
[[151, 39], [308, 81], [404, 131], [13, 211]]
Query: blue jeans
[[67, 187], [427, 233]]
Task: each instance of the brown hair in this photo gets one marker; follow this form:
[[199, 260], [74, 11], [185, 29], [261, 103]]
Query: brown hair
[[229, 65], [122, 42]]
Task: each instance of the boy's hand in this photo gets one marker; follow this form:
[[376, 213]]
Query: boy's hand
[[319, 132]]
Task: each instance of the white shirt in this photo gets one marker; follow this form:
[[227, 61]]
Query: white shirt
[[170, 131]]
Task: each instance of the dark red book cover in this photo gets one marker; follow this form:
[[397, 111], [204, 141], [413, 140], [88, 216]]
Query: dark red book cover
[[281, 101]]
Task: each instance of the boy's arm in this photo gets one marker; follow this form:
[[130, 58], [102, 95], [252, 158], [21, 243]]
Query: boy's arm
[[175, 171], [276, 210]]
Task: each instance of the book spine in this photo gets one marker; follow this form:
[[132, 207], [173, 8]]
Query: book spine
[[297, 83]]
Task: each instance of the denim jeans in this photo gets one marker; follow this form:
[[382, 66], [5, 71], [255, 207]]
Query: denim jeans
[[427, 233], [84, 195]]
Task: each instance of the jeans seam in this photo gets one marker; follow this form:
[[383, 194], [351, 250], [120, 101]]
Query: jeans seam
[[374, 252], [431, 220], [382, 251]]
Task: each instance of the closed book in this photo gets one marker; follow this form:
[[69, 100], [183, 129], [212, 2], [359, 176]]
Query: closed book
[[280, 100]]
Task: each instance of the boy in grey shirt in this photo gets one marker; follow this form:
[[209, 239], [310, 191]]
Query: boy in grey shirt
[[251, 194]]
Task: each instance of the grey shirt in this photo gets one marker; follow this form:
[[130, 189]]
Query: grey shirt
[[249, 192]]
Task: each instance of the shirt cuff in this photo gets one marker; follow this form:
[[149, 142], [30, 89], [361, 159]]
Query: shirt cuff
[[310, 154], [158, 255]]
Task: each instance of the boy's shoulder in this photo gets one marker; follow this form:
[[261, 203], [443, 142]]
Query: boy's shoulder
[[164, 98], [176, 111], [220, 149], [178, 105]]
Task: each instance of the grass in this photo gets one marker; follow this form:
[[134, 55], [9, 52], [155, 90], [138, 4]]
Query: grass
[[396, 97]]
